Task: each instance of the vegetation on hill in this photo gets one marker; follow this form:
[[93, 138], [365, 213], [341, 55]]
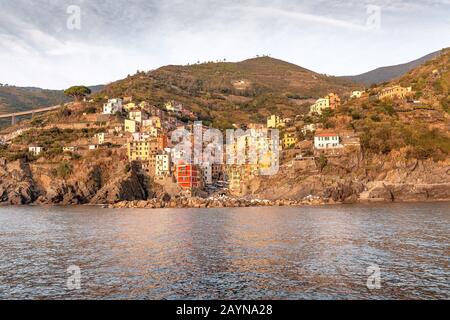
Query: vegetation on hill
[[226, 93], [16, 99], [420, 126], [78, 92]]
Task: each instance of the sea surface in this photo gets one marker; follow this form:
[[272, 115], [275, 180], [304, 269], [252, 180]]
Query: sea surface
[[383, 251]]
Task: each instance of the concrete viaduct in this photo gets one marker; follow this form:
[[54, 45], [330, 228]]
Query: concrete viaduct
[[24, 113]]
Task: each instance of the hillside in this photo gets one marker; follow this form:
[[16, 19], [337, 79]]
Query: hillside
[[14, 99], [393, 149], [421, 123], [389, 73], [226, 93]]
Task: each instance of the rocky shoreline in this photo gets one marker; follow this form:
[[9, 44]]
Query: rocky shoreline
[[226, 202], [223, 202]]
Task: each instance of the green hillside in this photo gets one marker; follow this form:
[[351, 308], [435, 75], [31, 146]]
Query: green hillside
[[226, 93]]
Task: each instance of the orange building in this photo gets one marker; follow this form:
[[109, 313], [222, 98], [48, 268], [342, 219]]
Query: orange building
[[335, 101], [188, 176], [162, 141]]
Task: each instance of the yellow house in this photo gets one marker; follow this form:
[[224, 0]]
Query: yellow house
[[130, 106], [169, 107], [394, 92], [289, 140], [101, 137], [320, 105], [137, 115], [274, 122], [152, 131], [131, 126], [139, 151], [152, 122], [235, 180]]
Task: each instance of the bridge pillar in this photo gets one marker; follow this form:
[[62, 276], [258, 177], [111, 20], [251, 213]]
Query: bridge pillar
[[13, 120]]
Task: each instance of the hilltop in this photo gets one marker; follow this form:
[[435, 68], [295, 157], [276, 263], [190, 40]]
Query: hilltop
[[389, 73], [224, 93]]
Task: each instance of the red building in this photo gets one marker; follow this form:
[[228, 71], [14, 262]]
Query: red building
[[188, 176]]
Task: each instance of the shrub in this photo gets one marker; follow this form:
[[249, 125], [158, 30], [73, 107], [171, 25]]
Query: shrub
[[356, 115], [375, 118], [64, 170]]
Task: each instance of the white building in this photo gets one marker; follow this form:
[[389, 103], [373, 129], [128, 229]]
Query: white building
[[69, 149], [356, 94], [112, 106], [141, 136], [207, 174], [173, 106], [327, 141], [137, 115], [35, 150], [93, 147], [309, 128], [163, 164], [101, 137]]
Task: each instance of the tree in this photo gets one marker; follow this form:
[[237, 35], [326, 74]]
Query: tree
[[77, 92]]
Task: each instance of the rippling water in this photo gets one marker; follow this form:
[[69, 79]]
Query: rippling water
[[254, 253]]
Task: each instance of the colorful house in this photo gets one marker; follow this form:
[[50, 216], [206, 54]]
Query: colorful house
[[143, 150], [188, 176], [130, 106], [163, 165], [274, 122], [289, 140], [356, 94], [35, 150], [112, 106], [320, 105], [332, 102], [132, 126], [137, 115], [394, 92], [329, 140]]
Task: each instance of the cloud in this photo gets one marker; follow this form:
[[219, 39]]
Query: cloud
[[119, 37]]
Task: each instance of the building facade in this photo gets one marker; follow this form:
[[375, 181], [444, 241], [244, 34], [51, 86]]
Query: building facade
[[394, 92], [327, 141], [274, 122], [112, 106], [163, 165], [320, 105], [132, 126], [188, 176]]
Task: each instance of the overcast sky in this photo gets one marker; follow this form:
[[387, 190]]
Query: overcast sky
[[44, 44]]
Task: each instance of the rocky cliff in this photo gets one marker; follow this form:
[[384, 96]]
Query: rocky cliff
[[354, 179], [22, 183], [379, 178]]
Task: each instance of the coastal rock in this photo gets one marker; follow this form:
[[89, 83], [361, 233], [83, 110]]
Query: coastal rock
[[128, 188]]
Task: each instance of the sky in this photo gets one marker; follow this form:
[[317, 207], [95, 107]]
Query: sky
[[58, 43]]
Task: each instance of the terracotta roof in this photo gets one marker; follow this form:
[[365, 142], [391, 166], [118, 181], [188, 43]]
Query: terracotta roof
[[327, 134]]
